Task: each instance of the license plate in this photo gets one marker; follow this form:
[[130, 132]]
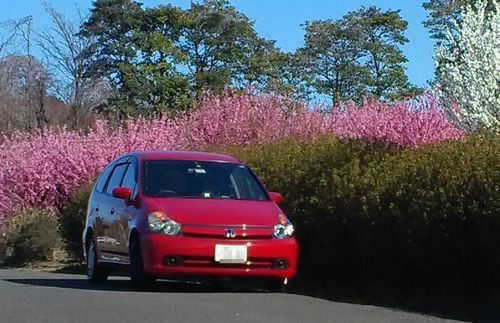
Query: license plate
[[230, 254]]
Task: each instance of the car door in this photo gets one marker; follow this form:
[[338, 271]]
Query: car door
[[125, 212], [95, 211], [109, 246]]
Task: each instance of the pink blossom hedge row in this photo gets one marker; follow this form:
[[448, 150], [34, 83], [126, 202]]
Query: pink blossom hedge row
[[42, 168]]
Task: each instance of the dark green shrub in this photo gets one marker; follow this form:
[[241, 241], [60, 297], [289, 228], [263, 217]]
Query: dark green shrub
[[366, 212], [324, 188], [72, 221], [5, 250], [439, 208], [29, 235]]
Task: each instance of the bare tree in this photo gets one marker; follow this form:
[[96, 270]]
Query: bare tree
[[25, 80], [7, 35], [11, 32], [63, 47], [36, 87], [29, 79]]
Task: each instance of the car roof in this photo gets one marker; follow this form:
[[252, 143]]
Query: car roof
[[184, 155]]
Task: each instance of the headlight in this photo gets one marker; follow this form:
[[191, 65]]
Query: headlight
[[160, 222], [284, 228]]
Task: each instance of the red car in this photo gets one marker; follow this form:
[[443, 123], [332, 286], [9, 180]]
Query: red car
[[179, 213]]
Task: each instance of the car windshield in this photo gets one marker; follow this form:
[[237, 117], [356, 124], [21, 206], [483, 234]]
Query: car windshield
[[200, 179]]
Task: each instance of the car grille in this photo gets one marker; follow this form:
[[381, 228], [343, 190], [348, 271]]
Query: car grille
[[197, 261], [221, 231]]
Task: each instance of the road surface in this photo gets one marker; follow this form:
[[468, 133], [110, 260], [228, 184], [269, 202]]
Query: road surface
[[48, 297]]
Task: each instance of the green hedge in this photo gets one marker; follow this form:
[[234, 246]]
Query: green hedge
[[367, 212], [72, 221], [29, 235]]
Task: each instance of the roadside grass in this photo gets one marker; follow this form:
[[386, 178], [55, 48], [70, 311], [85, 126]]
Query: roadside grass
[[58, 263], [52, 267]]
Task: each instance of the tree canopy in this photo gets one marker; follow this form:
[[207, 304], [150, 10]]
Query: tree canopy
[[154, 60], [468, 67], [356, 55], [442, 13]]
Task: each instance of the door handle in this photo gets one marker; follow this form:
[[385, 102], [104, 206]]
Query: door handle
[[112, 211]]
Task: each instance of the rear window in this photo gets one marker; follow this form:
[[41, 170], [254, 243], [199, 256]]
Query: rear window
[[199, 179], [103, 178], [116, 178]]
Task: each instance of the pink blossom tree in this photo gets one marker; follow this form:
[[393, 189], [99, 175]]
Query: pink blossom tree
[[43, 167]]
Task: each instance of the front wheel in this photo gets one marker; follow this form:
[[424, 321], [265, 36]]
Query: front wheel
[[138, 277], [276, 285], [95, 272]]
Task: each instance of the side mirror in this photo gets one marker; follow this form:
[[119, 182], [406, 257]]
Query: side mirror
[[276, 197], [122, 192]]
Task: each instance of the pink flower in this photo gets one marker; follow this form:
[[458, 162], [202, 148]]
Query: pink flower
[[43, 167]]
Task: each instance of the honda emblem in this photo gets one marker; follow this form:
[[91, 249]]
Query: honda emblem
[[229, 233]]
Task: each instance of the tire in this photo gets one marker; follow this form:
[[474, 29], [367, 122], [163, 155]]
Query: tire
[[96, 274], [276, 285], [139, 278]]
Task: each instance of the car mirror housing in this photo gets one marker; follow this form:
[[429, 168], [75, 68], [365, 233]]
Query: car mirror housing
[[276, 197], [122, 192]]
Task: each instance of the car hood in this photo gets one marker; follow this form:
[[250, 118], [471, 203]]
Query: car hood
[[216, 211]]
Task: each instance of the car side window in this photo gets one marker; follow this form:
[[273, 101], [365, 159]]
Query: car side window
[[130, 178], [103, 178], [116, 177]]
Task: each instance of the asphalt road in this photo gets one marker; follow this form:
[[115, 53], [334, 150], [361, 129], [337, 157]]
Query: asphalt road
[[47, 297]]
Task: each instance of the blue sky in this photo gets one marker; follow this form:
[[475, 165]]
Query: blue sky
[[276, 19]]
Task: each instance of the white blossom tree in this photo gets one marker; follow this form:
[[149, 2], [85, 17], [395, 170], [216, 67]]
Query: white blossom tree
[[468, 68]]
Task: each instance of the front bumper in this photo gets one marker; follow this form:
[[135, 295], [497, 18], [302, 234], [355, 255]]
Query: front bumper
[[195, 256]]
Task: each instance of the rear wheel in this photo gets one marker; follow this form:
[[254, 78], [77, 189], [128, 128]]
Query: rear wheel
[[95, 272], [138, 277]]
